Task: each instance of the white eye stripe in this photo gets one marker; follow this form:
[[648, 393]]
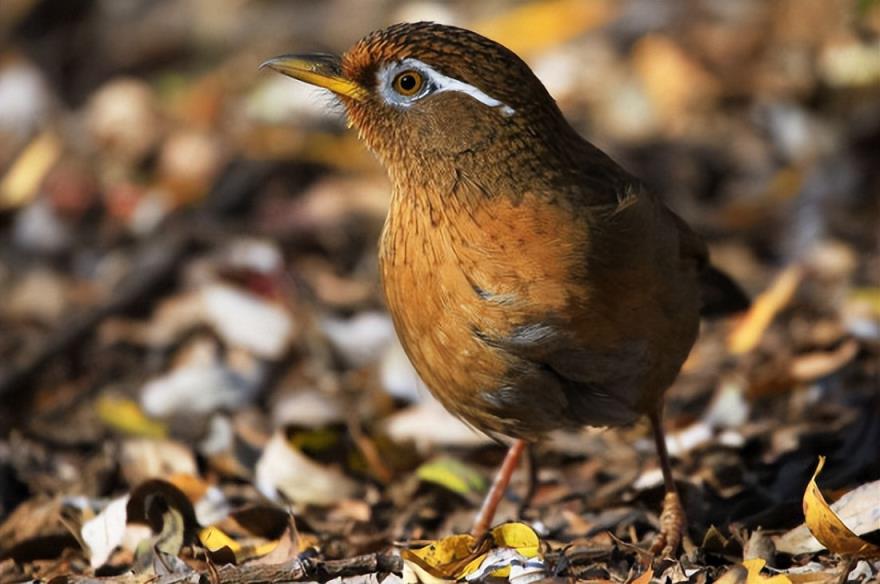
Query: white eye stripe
[[435, 82]]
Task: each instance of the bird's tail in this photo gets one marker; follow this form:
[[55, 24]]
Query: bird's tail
[[721, 295]]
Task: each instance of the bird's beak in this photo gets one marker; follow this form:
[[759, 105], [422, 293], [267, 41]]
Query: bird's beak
[[318, 69]]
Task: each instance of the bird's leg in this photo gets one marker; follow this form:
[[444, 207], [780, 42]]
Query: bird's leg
[[532, 466], [496, 492], [672, 518]]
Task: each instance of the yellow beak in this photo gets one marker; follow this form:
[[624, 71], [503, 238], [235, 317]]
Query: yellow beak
[[318, 69]]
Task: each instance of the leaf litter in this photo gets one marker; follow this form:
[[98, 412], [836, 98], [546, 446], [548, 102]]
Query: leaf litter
[[199, 381]]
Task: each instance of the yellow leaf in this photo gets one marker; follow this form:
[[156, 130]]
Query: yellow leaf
[[214, 539], [827, 527], [749, 331], [265, 547], [445, 551], [454, 557], [452, 475], [443, 559], [27, 172], [124, 415], [536, 26], [518, 536], [755, 566]]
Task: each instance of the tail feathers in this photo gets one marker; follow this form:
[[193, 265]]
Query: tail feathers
[[721, 295]]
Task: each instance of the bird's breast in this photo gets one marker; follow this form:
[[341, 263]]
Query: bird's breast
[[459, 275]]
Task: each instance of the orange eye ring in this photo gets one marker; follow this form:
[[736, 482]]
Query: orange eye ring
[[408, 83]]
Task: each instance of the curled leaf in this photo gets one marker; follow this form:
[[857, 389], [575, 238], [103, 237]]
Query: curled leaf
[[827, 527], [459, 556]]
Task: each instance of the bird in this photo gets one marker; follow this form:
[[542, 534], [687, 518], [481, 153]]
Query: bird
[[534, 284]]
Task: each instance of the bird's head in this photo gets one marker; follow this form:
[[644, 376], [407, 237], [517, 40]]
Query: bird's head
[[424, 91]]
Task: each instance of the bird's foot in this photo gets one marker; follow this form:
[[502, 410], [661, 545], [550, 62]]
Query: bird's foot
[[672, 526]]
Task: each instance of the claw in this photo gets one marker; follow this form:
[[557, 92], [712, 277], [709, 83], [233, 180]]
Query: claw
[[672, 525]]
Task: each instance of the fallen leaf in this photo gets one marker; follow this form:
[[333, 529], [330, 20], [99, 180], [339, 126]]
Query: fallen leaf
[[105, 531], [214, 539], [458, 556], [507, 563], [360, 340], [857, 509], [754, 568], [442, 560], [453, 475], [147, 503], [171, 538], [537, 26], [826, 525], [141, 459], [735, 575], [749, 331], [159, 554], [286, 548], [203, 379], [246, 320], [23, 179], [429, 424], [124, 415], [123, 119], [284, 469], [518, 536], [820, 364]]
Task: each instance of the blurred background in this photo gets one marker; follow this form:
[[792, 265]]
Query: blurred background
[[188, 276]]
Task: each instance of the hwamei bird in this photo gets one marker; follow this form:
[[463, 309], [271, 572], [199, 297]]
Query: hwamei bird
[[534, 283]]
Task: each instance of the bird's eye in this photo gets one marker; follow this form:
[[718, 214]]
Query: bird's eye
[[408, 83]]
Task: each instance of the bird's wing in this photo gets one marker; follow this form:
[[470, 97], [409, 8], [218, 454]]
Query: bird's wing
[[720, 294]]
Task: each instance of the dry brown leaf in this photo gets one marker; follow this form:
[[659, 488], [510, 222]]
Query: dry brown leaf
[[287, 548], [282, 468], [820, 364]]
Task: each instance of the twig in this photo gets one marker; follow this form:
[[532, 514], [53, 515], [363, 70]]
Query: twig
[[295, 570]]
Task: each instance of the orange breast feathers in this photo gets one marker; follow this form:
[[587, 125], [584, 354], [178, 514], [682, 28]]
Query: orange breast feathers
[[476, 271]]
